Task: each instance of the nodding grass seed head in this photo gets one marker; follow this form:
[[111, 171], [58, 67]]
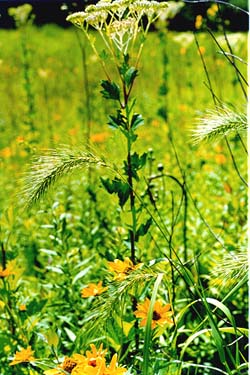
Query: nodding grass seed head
[[218, 123]]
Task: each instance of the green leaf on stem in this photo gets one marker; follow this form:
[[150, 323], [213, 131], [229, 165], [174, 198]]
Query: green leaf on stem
[[137, 162], [118, 187], [130, 76], [136, 121], [110, 90], [143, 229], [117, 121]]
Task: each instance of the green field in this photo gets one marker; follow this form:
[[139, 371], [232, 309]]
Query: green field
[[190, 207]]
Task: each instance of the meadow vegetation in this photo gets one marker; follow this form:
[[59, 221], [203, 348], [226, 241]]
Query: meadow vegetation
[[137, 253]]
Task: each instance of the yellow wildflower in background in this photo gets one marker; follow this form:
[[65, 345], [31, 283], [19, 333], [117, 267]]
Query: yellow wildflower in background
[[212, 10], [99, 137], [9, 270], [161, 314], [25, 355], [6, 152], [220, 159], [198, 21], [22, 307], [202, 50], [122, 268], [93, 290]]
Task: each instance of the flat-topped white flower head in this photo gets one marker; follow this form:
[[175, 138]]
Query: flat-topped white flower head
[[119, 21]]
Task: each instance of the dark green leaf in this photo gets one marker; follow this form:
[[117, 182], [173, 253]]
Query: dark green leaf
[[110, 90], [118, 187], [130, 75], [143, 229], [117, 121], [35, 307], [136, 121], [137, 162]]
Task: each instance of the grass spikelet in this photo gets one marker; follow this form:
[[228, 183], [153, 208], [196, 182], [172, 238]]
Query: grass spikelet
[[230, 270], [110, 301], [52, 165], [218, 123]]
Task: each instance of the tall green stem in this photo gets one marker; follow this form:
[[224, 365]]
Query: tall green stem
[[132, 204]]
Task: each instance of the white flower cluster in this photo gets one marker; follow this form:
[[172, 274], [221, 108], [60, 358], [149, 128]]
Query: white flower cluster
[[119, 20]]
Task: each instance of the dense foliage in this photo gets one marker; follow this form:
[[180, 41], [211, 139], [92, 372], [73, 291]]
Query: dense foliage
[[140, 246]]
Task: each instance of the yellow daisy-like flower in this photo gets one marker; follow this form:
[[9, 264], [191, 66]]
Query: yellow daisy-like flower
[[94, 353], [161, 314], [93, 290], [93, 363], [25, 355], [9, 270], [67, 365], [113, 369], [92, 366], [122, 268]]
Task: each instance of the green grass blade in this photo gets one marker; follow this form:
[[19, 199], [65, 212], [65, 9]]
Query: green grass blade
[[146, 348]]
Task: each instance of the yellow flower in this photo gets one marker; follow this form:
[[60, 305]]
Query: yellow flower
[[212, 10], [122, 268], [113, 369], [93, 363], [92, 366], [96, 352], [93, 290], [198, 21], [202, 50], [183, 51], [67, 365], [22, 307], [161, 314], [99, 137], [8, 270], [6, 152], [25, 355], [220, 159]]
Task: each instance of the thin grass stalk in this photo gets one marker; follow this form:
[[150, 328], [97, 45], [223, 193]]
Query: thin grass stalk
[[216, 105], [27, 81], [49, 123], [233, 59], [215, 99], [148, 330], [232, 62], [85, 87], [216, 334]]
